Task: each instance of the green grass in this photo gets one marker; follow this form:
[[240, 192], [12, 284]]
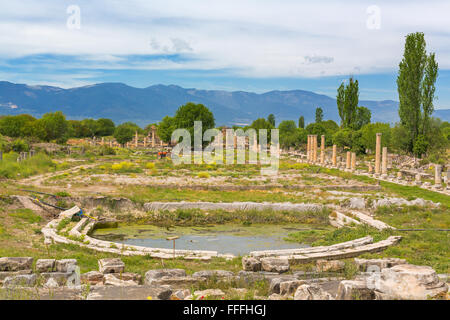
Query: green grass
[[11, 169], [26, 214], [190, 217], [429, 248]]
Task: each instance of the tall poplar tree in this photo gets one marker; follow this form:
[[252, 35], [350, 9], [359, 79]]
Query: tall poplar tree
[[416, 86]]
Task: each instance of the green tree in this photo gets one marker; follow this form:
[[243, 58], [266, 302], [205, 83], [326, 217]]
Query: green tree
[[416, 86], [165, 128], [363, 116], [319, 115], [368, 135], [271, 119], [124, 133], [347, 102], [301, 122], [52, 126], [22, 125], [105, 127], [288, 133], [187, 114]]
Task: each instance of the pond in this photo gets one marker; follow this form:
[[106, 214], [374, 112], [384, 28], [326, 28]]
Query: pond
[[228, 238]]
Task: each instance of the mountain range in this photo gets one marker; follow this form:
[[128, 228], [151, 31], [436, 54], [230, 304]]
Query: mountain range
[[121, 103]]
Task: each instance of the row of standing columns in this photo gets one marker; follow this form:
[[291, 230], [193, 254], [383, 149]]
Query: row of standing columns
[[381, 159]]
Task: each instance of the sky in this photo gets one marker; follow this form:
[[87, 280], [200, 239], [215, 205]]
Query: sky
[[257, 45]]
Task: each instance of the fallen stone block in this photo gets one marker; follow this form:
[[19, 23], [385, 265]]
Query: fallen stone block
[[60, 277], [210, 293], [374, 264], [180, 294], [290, 287], [354, 290], [144, 292], [311, 292], [279, 265], [45, 265], [65, 265], [111, 265], [251, 264], [213, 273], [6, 274], [157, 274], [15, 263], [330, 265], [24, 280], [92, 277], [409, 282], [274, 286], [111, 280]]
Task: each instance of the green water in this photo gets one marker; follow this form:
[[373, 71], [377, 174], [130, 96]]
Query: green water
[[228, 238]]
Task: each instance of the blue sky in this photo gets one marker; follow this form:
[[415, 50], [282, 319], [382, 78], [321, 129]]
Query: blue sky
[[257, 45]]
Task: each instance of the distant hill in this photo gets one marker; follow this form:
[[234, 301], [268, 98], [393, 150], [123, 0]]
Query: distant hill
[[121, 103]]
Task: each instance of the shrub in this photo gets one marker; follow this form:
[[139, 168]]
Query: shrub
[[203, 175], [150, 165], [20, 145]]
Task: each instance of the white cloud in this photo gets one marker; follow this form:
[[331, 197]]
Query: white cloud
[[255, 38]]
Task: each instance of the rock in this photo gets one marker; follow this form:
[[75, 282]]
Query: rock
[[276, 296], [250, 277], [15, 263], [6, 274], [130, 293], [128, 276], [180, 294], [357, 203], [65, 265], [211, 293], [274, 286], [409, 282], [157, 274], [60, 277], [330, 265], [172, 277], [45, 265], [51, 283], [251, 264], [354, 290], [289, 287], [111, 280], [213, 273], [279, 265], [24, 280], [377, 264], [92, 277], [311, 292], [111, 265]]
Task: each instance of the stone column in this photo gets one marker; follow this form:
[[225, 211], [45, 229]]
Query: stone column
[[110, 143], [307, 147], [137, 140], [153, 136], [334, 155], [322, 149], [315, 149], [103, 141], [378, 154], [438, 175], [384, 162], [353, 161], [255, 144], [418, 177], [348, 163], [370, 169], [145, 141]]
